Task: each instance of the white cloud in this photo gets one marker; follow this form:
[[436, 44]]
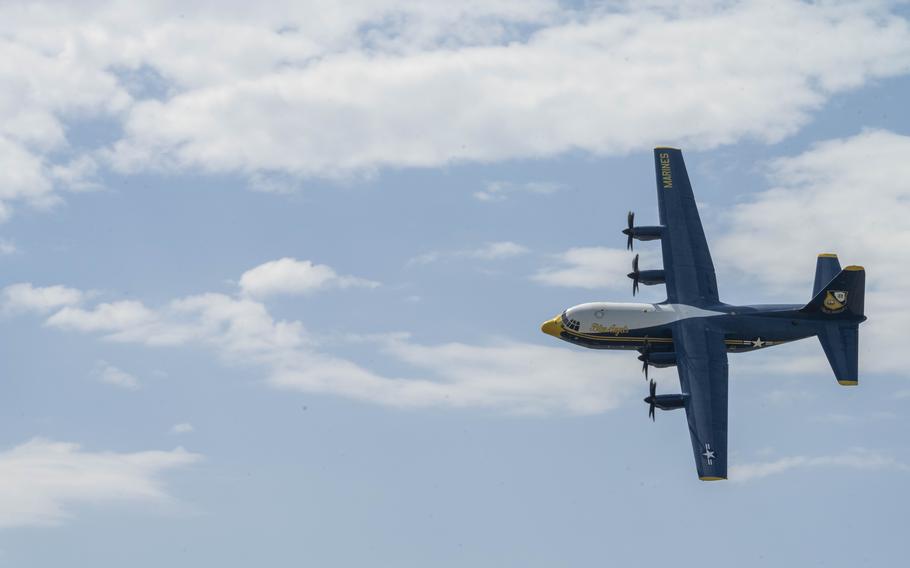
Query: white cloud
[[7, 247], [41, 480], [499, 190], [850, 196], [512, 376], [126, 314], [233, 325], [736, 70], [25, 297], [502, 374], [51, 75], [111, 375], [497, 251], [426, 258], [490, 251], [593, 267], [854, 459], [88, 61], [182, 428], [292, 276], [317, 89], [77, 175]]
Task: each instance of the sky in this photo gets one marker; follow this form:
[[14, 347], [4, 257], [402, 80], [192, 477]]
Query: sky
[[274, 274]]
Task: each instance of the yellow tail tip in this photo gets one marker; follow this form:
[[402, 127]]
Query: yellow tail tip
[[709, 478], [848, 383], [854, 268], [827, 255]]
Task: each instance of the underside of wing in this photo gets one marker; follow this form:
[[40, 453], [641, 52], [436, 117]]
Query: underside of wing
[[702, 366], [688, 268]]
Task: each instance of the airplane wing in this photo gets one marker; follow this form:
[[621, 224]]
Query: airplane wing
[[688, 268], [701, 359]]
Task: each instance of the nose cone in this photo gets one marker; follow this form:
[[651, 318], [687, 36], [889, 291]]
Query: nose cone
[[552, 327]]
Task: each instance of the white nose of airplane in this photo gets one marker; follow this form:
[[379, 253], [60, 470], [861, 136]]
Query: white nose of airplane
[[552, 327]]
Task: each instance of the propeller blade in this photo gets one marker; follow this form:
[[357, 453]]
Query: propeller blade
[[652, 387], [630, 219], [634, 275], [645, 352]]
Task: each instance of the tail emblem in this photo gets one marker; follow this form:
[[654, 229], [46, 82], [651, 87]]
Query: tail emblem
[[835, 301]]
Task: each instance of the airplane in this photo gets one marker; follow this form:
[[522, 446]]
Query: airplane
[[693, 330]]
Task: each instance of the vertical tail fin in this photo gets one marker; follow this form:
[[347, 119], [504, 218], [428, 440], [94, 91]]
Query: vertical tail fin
[[826, 267], [843, 297], [839, 306]]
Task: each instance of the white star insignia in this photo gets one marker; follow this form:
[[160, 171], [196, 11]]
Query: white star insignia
[[758, 342], [709, 454]]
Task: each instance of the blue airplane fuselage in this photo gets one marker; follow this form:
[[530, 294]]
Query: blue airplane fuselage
[[607, 325]]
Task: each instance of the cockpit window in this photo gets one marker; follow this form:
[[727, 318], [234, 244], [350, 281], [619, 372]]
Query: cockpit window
[[569, 323]]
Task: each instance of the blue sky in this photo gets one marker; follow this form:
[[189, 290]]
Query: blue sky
[[274, 276]]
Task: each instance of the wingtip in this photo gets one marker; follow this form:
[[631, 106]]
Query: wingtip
[[827, 255], [848, 383], [712, 478], [854, 268]]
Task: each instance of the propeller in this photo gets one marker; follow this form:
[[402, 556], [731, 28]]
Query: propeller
[[652, 399], [630, 219], [645, 352], [634, 275]]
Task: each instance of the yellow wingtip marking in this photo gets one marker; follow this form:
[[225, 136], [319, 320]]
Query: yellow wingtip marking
[[707, 478], [666, 148], [848, 383], [827, 255], [854, 268]]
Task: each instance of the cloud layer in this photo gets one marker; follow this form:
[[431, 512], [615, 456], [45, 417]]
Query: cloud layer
[[512, 376], [857, 458], [292, 276], [325, 91], [499, 250], [850, 196], [41, 480], [107, 373], [593, 268]]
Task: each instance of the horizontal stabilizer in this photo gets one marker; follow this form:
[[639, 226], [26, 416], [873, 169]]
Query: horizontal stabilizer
[[841, 344]]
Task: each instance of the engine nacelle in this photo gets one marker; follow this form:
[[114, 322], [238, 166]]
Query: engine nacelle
[[649, 277], [669, 401], [647, 233], [660, 359]]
